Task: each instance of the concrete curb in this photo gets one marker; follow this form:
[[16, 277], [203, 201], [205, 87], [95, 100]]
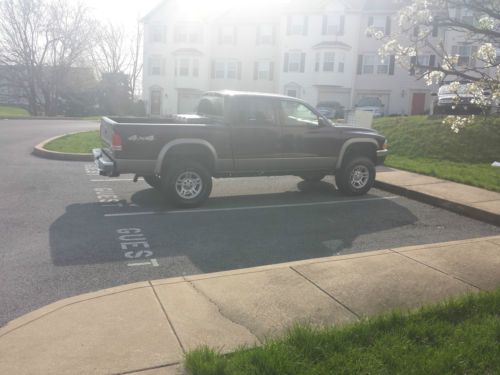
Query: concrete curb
[[472, 212], [46, 118], [40, 151]]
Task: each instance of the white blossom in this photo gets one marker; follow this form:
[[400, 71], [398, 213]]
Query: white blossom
[[457, 123], [487, 53], [486, 23], [433, 77]]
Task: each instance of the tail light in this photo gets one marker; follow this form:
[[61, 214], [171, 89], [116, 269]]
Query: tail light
[[116, 142]]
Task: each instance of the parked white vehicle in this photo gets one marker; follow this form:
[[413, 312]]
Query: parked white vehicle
[[371, 104]]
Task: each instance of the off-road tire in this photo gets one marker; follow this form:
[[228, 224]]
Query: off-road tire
[[154, 181], [356, 177], [186, 183]]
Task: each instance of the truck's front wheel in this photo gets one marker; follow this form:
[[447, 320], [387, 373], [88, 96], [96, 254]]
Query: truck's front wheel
[[187, 184], [356, 177]]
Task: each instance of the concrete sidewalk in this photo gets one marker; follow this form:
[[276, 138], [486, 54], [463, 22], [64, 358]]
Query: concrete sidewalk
[[147, 327], [464, 199]]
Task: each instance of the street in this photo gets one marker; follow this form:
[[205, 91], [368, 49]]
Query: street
[[66, 231]]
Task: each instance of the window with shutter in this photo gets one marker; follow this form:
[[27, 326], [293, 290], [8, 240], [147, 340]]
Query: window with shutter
[[156, 66], [333, 24], [329, 62], [158, 33], [227, 34], [265, 34], [294, 61], [297, 25], [263, 70], [379, 23]]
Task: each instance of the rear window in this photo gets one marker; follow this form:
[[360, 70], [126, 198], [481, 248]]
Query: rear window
[[211, 105]]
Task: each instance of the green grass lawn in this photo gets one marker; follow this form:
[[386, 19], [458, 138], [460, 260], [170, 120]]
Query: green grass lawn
[[480, 175], [424, 145], [81, 143], [427, 137], [461, 336], [7, 111]]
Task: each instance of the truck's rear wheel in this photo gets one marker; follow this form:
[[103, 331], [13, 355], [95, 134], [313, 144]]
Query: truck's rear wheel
[[356, 177], [187, 184], [153, 180]]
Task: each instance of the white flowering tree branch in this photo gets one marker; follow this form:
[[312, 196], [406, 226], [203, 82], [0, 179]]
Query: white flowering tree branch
[[475, 24]]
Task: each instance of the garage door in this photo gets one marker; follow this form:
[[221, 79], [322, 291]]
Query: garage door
[[188, 102]]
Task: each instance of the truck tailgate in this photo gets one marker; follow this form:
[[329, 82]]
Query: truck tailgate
[[106, 132]]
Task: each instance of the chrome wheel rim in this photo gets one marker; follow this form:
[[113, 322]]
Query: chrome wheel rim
[[359, 176], [188, 185]]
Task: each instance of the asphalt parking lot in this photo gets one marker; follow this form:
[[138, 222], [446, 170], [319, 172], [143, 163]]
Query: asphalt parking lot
[[66, 231]]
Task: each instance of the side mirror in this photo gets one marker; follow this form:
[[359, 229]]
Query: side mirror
[[323, 122]]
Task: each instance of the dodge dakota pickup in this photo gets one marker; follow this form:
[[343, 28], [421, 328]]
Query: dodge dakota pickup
[[238, 134]]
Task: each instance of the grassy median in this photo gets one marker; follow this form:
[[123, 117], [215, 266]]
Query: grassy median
[[461, 336], [9, 111], [80, 143], [424, 145]]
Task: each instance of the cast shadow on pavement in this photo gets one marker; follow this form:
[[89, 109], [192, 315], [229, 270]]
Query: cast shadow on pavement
[[226, 234]]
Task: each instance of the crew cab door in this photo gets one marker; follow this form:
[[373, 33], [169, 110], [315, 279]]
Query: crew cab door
[[255, 134], [307, 142]]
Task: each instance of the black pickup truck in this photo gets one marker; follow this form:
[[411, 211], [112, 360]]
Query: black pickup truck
[[239, 134]]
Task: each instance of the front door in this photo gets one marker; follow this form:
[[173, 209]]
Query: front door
[[156, 103], [255, 134], [418, 103]]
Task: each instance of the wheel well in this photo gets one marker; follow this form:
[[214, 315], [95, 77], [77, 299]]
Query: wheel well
[[365, 149], [198, 153]]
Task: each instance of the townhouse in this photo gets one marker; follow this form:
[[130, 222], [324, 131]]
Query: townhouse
[[315, 50]]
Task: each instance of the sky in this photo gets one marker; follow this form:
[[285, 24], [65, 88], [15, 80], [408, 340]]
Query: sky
[[123, 11], [128, 11]]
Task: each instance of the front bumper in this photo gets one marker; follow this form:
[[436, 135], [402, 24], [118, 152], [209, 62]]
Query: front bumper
[[105, 165], [381, 155]]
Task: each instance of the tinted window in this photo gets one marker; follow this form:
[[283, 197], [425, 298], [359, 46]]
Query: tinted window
[[211, 106], [296, 114], [256, 112]]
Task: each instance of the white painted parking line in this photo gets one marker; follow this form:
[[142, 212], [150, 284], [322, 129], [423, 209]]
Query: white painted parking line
[[114, 179], [152, 262], [250, 207]]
